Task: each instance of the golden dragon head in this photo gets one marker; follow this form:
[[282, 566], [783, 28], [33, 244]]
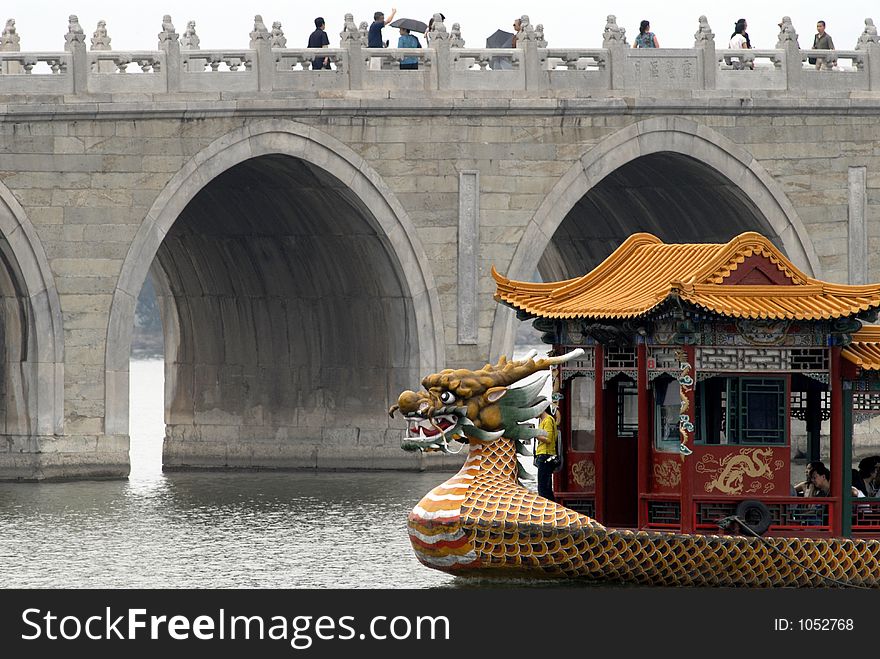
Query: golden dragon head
[[478, 405]]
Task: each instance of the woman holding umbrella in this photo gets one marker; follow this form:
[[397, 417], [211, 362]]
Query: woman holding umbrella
[[407, 40]]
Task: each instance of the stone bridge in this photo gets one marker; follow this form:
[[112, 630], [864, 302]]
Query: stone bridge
[[320, 240]]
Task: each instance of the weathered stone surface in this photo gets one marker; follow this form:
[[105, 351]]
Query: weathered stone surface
[[307, 246]]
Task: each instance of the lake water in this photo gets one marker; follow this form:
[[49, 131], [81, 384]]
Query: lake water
[[297, 529]]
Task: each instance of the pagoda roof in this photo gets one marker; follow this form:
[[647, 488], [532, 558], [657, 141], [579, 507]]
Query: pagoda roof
[[864, 351], [747, 277]]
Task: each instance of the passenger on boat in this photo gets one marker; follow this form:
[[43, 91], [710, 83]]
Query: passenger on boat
[[820, 478], [822, 483], [869, 470], [545, 453], [805, 487], [858, 483]]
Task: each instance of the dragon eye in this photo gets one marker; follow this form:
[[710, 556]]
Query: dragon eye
[[447, 397]]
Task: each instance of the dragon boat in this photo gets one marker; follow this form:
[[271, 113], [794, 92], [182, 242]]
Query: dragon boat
[[689, 377]]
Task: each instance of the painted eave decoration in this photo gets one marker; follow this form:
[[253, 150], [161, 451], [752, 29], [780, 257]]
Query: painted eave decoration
[[747, 277]]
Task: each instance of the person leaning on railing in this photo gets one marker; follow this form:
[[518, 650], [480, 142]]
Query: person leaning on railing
[[805, 488]]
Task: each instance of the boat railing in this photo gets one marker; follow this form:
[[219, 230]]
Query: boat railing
[[582, 502], [789, 515], [865, 516]]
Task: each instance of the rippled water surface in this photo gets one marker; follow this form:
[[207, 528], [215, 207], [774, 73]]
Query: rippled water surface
[[211, 530]]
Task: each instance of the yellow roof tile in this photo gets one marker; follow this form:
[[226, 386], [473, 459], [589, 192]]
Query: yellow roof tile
[[644, 272], [864, 351]]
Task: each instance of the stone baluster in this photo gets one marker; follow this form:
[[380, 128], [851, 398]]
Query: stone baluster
[[869, 42], [170, 45], [614, 40], [441, 66], [75, 44], [704, 42], [352, 40], [265, 60], [101, 41], [536, 78], [10, 42], [794, 63]]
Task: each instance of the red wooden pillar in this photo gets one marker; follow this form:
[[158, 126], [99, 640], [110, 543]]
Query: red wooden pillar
[[687, 467], [599, 445], [837, 439], [643, 455]]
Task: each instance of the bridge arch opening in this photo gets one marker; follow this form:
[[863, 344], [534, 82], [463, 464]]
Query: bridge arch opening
[[671, 195], [31, 348], [670, 176], [293, 305]]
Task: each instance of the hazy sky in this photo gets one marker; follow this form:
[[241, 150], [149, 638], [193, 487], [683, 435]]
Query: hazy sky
[[41, 24]]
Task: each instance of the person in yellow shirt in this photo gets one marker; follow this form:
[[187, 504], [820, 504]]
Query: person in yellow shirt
[[545, 454]]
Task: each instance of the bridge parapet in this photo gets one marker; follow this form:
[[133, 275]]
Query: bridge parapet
[[529, 70]]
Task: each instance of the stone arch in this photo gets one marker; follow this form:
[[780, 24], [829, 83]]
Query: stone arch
[[658, 135], [269, 138], [33, 333]]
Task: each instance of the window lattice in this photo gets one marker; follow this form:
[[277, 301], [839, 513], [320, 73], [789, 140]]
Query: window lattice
[[620, 359], [709, 513], [586, 362], [662, 359], [762, 359], [866, 515], [866, 401], [583, 506], [799, 405], [665, 513]]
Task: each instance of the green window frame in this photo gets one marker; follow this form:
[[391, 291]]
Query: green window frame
[[627, 409], [667, 411], [746, 410]]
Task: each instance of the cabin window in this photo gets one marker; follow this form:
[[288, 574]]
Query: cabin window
[[582, 393], [627, 409], [742, 410], [667, 407]]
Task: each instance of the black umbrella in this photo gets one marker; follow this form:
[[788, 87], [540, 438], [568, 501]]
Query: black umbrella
[[410, 24], [500, 39]]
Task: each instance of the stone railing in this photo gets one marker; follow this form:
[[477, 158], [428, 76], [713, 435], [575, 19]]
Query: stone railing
[[530, 70]]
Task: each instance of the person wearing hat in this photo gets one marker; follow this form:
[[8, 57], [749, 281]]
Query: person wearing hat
[[319, 39], [545, 453]]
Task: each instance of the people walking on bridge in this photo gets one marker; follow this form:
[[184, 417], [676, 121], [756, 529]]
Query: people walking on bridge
[[319, 39], [407, 40], [738, 40], [517, 28], [822, 41], [374, 35], [646, 38]]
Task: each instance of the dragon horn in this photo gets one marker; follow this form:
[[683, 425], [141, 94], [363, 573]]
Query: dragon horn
[[561, 359], [505, 372]]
